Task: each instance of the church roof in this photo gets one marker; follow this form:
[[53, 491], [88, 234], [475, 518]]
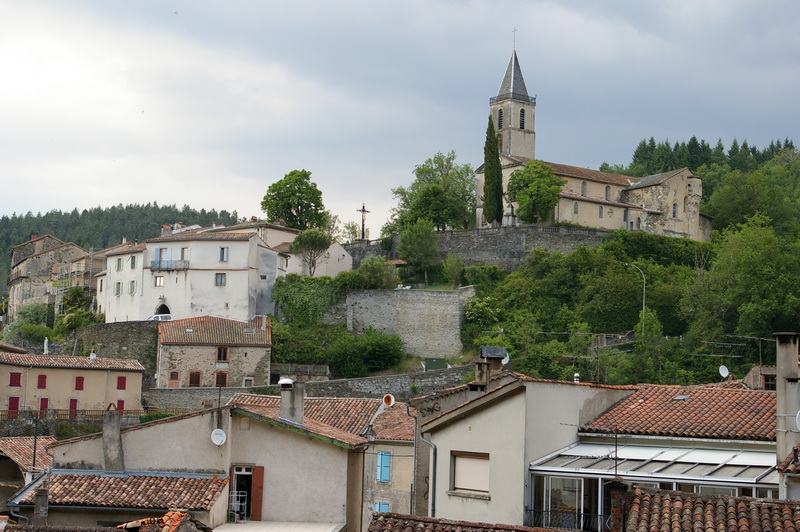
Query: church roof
[[513, 85]]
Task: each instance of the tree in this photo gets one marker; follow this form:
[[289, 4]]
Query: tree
[[536, 188], [378, 272], [453, 269], [311, 245], [419, 247], [296, 200], [492, 177]]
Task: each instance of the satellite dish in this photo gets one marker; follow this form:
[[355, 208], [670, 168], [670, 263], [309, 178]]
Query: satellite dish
[[388, 400], [505, 360], [797, 420], [723, 370], [218, 437]]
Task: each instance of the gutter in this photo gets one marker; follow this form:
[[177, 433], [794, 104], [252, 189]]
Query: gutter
[[433, 475]]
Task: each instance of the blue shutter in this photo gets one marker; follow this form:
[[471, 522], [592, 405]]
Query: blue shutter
[[384, 466], [381, 506]]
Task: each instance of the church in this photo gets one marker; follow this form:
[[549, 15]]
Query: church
[[666, 204]]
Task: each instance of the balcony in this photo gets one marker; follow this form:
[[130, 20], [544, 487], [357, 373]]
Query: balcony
[[568, 520], [165, 265]]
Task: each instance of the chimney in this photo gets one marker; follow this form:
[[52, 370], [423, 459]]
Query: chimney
[[166, 230], [787, 384], [34, 236], [496, 357], [41, 504], [292, 396], [481, 382], [112, 440], [617, 491]]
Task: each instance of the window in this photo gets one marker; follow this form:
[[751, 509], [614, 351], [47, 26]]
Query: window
[[122, 383], [769, 382], [470, 471], [132, 287], [563, 502], [247, 382], [119, 264], [499, 119], [625, 215], [608, 192], [221, 379], [384, 466], [222, 354], [174, 379], [638, 223], [382, 507], [41, 382], [674, 210], [159, 280], [223, 254], [195, 379], [117, 288], [184, 253], [101, 286], [79, 382], [575, 208], [600, 212], [522, 118], [220, 279], [13, 407], [583, 188], [133, 262], [120, 405], [15, 379]]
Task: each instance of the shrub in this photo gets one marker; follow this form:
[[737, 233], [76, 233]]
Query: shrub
[[378, 272], [36, 333]]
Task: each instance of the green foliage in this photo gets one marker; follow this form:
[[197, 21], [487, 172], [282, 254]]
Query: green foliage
[[664, 250], [144, 418], [356, 356], [492, 177], [36, 333], [536, 189], [453, 269], [303, 344], [33, 313], [311, 245], [72, 320], [296, 200], [419, 248], [71, 429], [377, 272], [302, 299]]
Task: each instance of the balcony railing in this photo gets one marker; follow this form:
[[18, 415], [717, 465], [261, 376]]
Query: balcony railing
[[169, 265], [570, 520]]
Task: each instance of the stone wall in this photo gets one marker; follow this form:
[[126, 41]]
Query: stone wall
[[506, 247], [428, 321]]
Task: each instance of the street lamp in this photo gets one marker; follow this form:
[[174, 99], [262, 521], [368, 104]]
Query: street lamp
[[644, 293]]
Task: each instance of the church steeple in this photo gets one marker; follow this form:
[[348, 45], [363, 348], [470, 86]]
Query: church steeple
[[513, 112]]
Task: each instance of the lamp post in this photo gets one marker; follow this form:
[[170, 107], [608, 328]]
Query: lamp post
[[644, 293]]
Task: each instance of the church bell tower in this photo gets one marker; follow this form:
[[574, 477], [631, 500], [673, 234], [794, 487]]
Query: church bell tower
[[514, 113]]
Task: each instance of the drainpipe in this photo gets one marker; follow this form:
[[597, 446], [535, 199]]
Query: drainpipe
[[433, 476]]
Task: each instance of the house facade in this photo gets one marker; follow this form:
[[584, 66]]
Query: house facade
[[69, 383], [666, 204], [214, 352]]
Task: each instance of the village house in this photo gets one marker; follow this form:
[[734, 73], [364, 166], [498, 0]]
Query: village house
[[210, 351], [38, 383], [666, 204], [21, 459], [260, 458]]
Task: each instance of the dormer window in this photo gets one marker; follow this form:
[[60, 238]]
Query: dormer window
[[522, 118], [499, 119]]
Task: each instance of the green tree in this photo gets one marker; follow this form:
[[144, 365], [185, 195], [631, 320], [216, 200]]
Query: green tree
[[536, 189], [303, 300], [296, 200], [311, 245], [453, 269], [378, 272], [492, 177], [419, 247]]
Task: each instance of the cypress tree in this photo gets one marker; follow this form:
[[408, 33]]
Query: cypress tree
[[492, 177]]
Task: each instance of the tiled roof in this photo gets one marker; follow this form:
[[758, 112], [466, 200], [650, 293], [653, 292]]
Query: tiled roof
[[202, 236], [687, 411], [791, 464], [124, 249], [20, 450], [344, 419], [657, 510], [655, 179], [577, 172], [169, 522], [212, 330], [390, 522], [9, 348], [58, 361], [130, 490], [571, 195]]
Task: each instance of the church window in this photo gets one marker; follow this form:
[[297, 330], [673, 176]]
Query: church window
[[522, 118], [608, 192], [583, 188], [575, 208], [600, 212], [500, 143], [674, 210], [499, 119]]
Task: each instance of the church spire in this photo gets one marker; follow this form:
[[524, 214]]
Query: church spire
[[513, 85]]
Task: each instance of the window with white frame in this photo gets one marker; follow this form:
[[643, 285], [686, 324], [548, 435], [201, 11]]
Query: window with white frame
[[118, 288], [132, 287], [384, 466], [563, 501], [220, 279], [133, 262], [223, 254], [469, 471], [159, 280], [118, 266]]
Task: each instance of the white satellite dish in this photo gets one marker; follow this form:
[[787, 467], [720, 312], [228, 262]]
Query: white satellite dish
[[723, 370], [505, 359], [388, 400], [218, 437]]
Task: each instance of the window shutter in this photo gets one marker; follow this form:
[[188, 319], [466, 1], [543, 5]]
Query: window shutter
[[257, 493], [79, 382], [384, 466], [41, 382], [121, 383]]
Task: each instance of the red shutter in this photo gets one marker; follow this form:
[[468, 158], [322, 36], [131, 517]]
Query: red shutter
[[13, 407], [258, 493], [44, 402], [121, 382], [120, 405], [73, 408], [16, 379], [79, 383], [41, 382]]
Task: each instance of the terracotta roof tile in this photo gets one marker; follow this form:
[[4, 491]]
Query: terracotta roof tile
[[657, 510], [131, 490], [10, 348], [791, 464], [391, 522], [695, 412], [57, 361], [20, 449], [169, 522], [212, 330], [203, 236], [591, 175]]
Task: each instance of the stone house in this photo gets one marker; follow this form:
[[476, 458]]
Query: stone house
[[69, 383], [214, 352], [666, 204], [290, 458]]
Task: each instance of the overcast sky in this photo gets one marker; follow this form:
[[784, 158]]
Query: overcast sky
[[207, 103]]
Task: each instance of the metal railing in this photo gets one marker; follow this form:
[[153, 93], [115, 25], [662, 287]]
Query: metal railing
[[568, 520], [169, 265]]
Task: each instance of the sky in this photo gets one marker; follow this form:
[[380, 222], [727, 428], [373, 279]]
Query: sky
[[200, 103]]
